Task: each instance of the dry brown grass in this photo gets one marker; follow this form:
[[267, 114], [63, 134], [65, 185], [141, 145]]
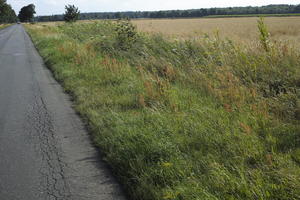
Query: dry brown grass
[[238, 29]]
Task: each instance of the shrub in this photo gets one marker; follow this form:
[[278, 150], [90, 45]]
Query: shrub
[[126, 34]]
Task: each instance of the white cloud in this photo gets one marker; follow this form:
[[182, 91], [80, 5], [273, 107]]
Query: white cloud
[[48, 7]]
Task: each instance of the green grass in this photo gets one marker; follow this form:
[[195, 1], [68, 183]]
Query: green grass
[[254, 15], [192, 120]]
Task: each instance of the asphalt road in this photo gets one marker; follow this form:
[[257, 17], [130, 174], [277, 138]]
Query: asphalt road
[[45, 151]]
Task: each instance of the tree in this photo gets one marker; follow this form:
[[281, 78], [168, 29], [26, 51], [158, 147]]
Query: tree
[[72, 13], [118, 15], [26, 14], [7, 14], [278, 9], [297, 9]]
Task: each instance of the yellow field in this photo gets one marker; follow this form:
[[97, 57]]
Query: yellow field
[[243, 29], [240, 29]]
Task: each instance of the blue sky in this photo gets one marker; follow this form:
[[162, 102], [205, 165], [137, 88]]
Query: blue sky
[[48, 7]]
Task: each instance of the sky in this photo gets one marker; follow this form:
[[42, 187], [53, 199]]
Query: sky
[[49, 7]]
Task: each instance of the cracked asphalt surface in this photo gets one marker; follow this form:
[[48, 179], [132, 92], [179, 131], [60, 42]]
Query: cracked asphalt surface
[[45, 151]]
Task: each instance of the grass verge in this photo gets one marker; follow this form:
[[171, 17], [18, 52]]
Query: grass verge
[[196, 119], [2, 26]]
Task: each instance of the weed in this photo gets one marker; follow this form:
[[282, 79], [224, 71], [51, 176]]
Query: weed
[[264, 34]]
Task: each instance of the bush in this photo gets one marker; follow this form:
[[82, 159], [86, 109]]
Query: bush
[[126, 34]]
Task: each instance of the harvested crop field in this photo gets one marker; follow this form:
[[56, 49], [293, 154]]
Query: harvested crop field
[[239, 29]]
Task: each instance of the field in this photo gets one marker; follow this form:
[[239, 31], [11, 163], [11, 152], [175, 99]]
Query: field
[[255, 15], [186, 119], [238, 29]]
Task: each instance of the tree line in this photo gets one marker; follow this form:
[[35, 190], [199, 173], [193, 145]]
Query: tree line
[[7, 14], [269, 9], [26, 14]]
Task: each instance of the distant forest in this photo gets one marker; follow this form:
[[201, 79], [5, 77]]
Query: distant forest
[[250, 10]]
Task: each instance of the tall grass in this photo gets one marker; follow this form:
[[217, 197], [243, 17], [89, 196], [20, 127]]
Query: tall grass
[[194, 119]]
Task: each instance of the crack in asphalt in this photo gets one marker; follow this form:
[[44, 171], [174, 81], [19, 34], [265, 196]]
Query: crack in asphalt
[[53, 181]]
